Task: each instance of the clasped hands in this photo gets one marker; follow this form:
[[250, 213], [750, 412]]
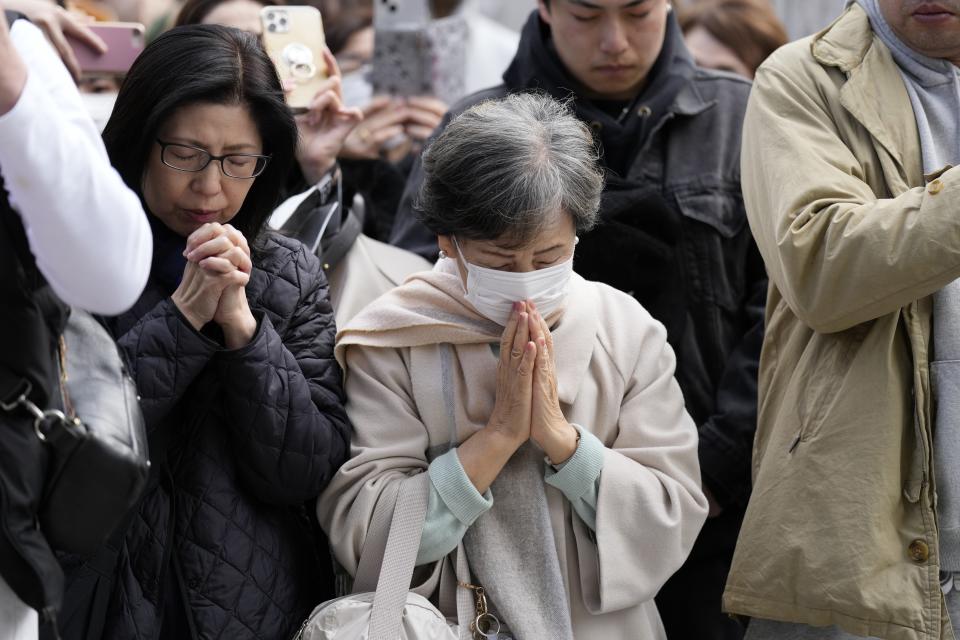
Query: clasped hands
[[527, 405], [213, 288]]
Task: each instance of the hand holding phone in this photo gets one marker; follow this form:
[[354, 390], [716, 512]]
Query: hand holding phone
[[124, 42], [293, 37]]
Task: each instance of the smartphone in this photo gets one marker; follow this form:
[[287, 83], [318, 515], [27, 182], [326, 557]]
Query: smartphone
[[414, 55], [392, 14], [293, 37], [401, 51], [124, 40]]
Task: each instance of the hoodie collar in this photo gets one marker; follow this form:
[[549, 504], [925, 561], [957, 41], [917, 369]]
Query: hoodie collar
[[669, 88]]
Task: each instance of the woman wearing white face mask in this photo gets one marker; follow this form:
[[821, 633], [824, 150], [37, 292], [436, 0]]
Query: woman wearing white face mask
[[542, 406]]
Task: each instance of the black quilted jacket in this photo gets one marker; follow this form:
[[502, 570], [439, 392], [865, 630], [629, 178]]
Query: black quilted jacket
[[240, 442]]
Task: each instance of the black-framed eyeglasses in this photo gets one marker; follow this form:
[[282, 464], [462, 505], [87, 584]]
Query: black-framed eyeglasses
[[184, 157]]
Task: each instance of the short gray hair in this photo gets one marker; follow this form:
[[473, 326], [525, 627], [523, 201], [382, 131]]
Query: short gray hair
[[507, 167]]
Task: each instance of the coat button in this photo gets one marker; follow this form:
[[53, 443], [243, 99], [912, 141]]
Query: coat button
[[935, 187], [919, 551], [596, 127]]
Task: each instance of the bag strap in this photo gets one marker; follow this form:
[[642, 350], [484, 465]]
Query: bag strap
[[399, 558], [395, 559]]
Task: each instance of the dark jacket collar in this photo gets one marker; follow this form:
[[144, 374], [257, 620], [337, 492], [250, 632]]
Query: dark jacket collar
[[669, 89], [168, 259]]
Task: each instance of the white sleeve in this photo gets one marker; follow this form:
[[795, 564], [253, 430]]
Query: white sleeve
[[87, 230]]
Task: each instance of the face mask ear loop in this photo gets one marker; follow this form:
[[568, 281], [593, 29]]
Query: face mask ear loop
[[461, 259]]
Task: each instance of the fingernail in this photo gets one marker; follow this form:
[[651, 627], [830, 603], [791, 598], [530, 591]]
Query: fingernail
[[517, 306]]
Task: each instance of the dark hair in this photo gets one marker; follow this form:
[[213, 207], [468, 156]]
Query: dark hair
[[204, 64], [195, 11], [505, 168], [350, 22], [749, 28]]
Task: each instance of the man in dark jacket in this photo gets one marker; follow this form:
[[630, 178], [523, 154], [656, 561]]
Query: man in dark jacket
[[673, 233]]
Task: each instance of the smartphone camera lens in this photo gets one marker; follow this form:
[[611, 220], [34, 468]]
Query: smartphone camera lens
[[271, 27], [283, 21]]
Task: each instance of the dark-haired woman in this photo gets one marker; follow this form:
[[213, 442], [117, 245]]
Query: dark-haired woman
[[231, 347]]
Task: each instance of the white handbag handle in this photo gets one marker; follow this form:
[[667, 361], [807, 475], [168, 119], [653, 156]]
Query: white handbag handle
[[398, 558], [394, 560]]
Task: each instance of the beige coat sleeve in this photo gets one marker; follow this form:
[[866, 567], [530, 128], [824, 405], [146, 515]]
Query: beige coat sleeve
[[650, 507], [838, 252], [388, 445]]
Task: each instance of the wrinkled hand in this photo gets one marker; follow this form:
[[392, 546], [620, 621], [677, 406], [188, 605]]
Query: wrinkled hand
[[549, 429], [424, 115], [383, 121], [13, 72], [57, 23], [215, 280], [512, 411], [325, 126]]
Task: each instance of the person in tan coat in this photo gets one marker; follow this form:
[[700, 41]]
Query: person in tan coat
[[849, 143], [542, 406]]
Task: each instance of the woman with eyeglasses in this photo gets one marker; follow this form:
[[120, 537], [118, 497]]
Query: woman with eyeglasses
[[231, 346]]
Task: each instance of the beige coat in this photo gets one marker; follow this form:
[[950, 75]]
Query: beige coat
[[841, 528], [368, 270], [615, 373]]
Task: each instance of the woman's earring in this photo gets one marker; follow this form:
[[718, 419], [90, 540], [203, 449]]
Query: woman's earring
[[443, 254]]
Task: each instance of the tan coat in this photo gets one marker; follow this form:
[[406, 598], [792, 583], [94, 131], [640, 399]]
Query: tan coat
[[615, 374], [841, 528]]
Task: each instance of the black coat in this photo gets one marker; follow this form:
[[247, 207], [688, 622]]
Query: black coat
[[242, 443], [673, 233]]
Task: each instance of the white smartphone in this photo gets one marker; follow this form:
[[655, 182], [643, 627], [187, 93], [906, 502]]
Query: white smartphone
[[293, 37]]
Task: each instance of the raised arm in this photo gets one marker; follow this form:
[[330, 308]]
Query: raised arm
[[87, 230]]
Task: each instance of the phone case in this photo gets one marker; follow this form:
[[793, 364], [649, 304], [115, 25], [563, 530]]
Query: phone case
[[293, 37], [124, 40], [421, 60]]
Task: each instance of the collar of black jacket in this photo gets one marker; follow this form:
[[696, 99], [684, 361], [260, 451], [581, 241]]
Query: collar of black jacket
[[669, 90]]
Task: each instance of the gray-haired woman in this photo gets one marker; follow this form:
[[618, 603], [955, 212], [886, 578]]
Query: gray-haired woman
[[542, 406]]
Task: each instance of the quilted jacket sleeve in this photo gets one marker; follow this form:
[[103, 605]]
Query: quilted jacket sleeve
[[283, 397], [165, 355]]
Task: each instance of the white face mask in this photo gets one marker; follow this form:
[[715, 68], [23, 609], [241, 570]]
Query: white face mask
[[99, 106], [492, 292], [356, 88]]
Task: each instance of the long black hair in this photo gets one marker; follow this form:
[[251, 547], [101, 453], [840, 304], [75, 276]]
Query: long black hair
[[204, 64]]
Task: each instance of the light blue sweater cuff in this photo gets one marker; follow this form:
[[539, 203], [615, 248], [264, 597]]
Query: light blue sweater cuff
[[579, 477], [454, 504], [456, 489]]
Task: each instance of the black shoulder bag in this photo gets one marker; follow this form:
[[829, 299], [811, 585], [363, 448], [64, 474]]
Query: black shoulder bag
[[83, 410]]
